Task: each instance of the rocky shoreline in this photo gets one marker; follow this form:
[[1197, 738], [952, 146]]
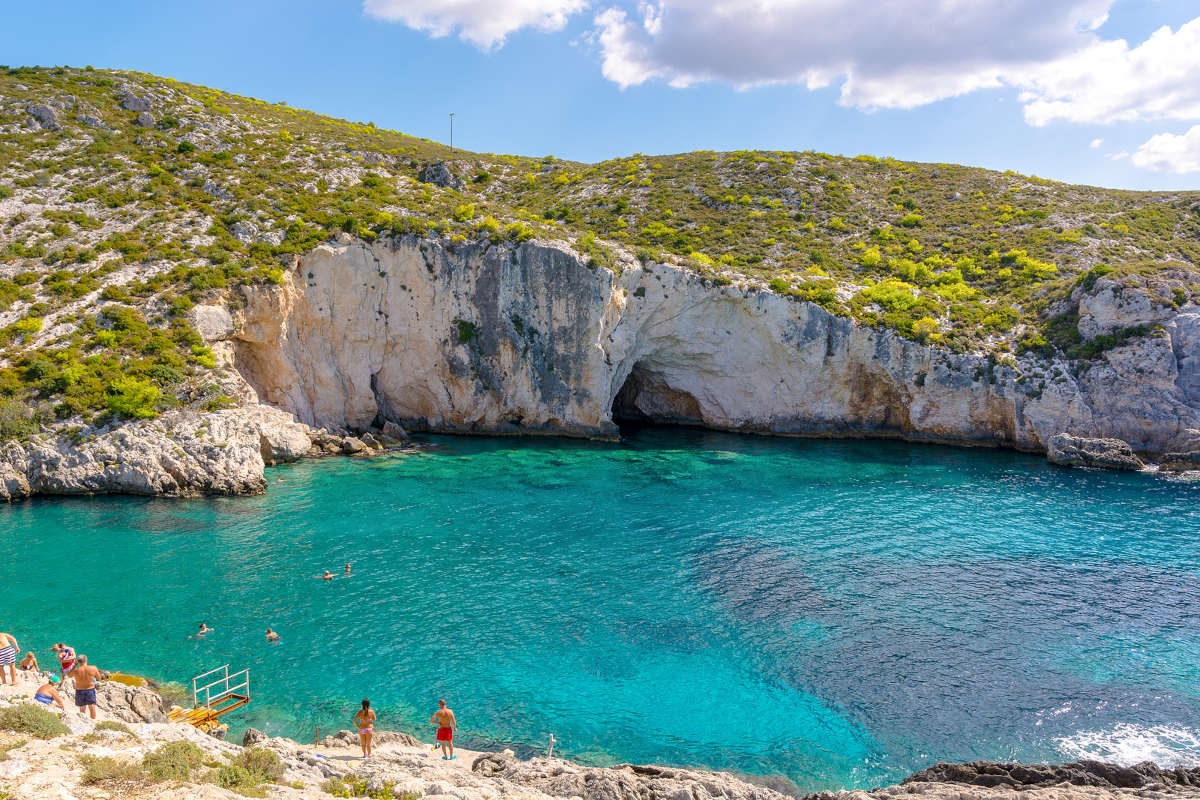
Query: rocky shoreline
[[57, 768], [363, 341]]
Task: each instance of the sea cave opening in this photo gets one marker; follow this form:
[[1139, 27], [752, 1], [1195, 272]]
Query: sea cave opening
[[648, 398]]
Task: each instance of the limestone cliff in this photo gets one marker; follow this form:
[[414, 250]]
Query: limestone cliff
[[529, 339]]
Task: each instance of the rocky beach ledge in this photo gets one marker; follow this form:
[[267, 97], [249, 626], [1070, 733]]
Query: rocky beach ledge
[[133, 751]]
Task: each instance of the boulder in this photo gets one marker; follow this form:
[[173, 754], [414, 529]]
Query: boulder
[[132, 102], [252, 737], [1076, 451], [211, 187], [44, 116], [1171, 462], [126, 703], [394, 431], [144, 119], [91, 121], [439, 174], [213, 322], [352, 444], [370, 441]]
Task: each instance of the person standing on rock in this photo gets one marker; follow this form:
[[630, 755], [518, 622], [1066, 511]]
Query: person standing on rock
[[66, 658], [85, 676], [447, 725], [364, 721], [8, 657]]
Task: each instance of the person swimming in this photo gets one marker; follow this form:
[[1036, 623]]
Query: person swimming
[[272, 636], [364, 721], [204, 629], [327, 576], [347, 570]]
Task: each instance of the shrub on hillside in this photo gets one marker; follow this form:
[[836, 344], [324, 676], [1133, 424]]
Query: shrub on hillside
[[25, 718], [106, 769], [263, 765], [132, 398], [173, 761]]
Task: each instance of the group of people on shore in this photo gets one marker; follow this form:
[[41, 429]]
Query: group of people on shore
[[75, 667], [447, 724]]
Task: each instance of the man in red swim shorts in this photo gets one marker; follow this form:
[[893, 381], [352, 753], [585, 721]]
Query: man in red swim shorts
[[447, 725]]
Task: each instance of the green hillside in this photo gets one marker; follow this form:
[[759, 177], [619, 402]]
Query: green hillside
[[125, 198]]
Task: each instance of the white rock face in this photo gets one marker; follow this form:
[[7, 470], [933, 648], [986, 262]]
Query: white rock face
[[180, 453], [480, 338], [1110, 307]]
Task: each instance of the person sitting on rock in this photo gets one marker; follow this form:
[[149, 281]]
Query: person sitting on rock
[[29, 662], [47, 693]]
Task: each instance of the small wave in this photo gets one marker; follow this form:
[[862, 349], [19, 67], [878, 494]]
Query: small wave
[[1127, 744]]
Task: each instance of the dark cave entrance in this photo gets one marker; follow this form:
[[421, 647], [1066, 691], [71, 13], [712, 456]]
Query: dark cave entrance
[[647, 398]]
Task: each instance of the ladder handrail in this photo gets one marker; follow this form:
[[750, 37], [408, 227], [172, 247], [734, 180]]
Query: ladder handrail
[[226, 681]]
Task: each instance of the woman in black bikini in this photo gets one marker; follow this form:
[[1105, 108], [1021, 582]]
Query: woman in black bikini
[[364, 720]]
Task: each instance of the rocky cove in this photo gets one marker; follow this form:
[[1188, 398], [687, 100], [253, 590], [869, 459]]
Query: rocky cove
[[425, 334]]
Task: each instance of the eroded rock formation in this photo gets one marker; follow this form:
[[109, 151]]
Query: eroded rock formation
[[525, 339], [428, 335]]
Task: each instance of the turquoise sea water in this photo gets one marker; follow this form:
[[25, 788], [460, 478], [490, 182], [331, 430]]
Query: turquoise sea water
[[842, 613]]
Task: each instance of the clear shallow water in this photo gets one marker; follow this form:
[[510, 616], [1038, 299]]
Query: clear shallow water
[[842, 613]]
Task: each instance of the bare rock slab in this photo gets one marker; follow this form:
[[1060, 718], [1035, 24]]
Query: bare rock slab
[[1076, 451]]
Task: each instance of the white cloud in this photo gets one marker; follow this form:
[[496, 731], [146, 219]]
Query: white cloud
[[1111, 82], [1167, 152], [483, 23], [887, 55], [893, 54], [1096, 143]]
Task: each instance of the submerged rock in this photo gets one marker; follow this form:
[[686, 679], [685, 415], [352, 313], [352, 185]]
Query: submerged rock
[[1075, 451]]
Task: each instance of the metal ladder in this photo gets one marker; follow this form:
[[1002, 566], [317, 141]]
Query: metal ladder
[[223, 692]]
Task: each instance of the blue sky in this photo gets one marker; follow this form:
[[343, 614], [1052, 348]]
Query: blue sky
[[1029, 85]]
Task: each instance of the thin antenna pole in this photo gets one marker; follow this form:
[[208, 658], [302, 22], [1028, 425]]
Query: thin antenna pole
[[451, 133]]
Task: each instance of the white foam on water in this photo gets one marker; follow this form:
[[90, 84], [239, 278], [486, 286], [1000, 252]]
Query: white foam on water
[[1127, 744]]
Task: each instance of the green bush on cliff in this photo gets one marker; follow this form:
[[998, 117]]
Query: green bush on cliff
[[133, 398]]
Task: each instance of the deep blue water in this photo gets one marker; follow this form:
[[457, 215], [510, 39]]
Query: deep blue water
[[842, 613]]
